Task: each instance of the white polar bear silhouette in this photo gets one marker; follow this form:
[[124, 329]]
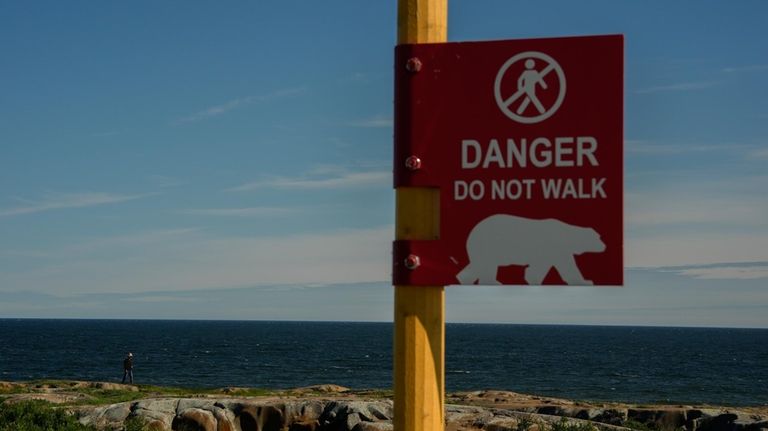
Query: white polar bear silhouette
[[502, 240]]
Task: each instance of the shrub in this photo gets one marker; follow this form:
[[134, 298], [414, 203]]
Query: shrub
[[639, 426], [524, 423], [37, 416], [135, 424], [565, 425]]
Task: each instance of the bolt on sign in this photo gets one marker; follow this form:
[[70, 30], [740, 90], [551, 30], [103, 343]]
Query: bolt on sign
[[524, 139]]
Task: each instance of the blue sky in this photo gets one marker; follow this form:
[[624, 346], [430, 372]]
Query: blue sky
[[233, 160]]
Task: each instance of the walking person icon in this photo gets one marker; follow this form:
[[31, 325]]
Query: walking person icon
[[527, 83], [529, 106]]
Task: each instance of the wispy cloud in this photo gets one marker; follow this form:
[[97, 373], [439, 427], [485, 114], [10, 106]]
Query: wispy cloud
[[320, 182], [682, 86], [689, 212], [761, 154], [205, 260], [153, 299], [89, 247], [165, 181], [695, 248], [752, 68], [225, 107], [133, 239], [239, 212], [720, 271], [698, 220], [727, 273], [105, 134], [24, 253], [706, 203], [70, 200], [378, 121], [639, 146]]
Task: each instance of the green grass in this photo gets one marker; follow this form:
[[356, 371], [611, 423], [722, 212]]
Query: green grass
[[523, 424], [565, 425], [99, 397], [639, 426], [374, 393], [11, 391], [134, 424], [37, 416]]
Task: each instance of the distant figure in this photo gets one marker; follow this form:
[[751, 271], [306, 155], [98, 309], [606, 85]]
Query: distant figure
[[128, 367]]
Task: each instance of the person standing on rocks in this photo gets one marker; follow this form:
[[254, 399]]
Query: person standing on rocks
[[128, 367]]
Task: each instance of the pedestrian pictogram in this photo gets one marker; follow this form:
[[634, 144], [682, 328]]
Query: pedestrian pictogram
[[536, 92]]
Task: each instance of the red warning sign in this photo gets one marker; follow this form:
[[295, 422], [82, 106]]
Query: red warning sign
[[524, 140]]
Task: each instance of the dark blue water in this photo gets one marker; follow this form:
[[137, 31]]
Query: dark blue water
[[638, 364]]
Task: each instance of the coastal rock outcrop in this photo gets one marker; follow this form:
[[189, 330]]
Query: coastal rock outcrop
[[244, 414], [334, 408], [234, 414], [662, 417]]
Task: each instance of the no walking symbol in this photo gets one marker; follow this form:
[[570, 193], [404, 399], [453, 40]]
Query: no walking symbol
[[539, 84]]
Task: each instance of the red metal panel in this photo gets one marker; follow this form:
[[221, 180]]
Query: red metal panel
[[499, 126]]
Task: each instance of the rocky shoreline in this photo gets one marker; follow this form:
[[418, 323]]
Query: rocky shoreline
[[334, 408]]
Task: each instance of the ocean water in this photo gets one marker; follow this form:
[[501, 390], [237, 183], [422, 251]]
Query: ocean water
[[636, 364]]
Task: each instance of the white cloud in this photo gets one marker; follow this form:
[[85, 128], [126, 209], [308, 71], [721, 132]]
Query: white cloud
[[735, 202], [24, 253], [70, 200], [726, 272], [220, 109], [318, 182], [753, 68], [639, 146], [133, 239], [761, 154], [105, 134], [99, 245], [373, 122], [190, 260], [680, 209], [165, 181], [239, 212], [697, 221], [151, 299], [695, 248], [681, 86]]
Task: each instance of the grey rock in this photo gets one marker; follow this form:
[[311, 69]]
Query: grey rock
[[303, 411], [194, 403], [233, 414], [372, 411], [303, 426], [608, 416], [164, 405], [252, 416], [351, 420], [156, 418], [373, 426], [501, 424], [195, 418], [458, 414]]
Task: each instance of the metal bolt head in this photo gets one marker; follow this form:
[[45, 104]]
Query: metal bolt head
[[413, 163], [412, 261], [413, 65]]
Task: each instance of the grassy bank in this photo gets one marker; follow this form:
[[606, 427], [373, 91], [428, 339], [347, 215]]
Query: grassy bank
[[37, 416]]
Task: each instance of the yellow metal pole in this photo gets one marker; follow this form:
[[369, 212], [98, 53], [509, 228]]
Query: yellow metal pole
[[419, 345]]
